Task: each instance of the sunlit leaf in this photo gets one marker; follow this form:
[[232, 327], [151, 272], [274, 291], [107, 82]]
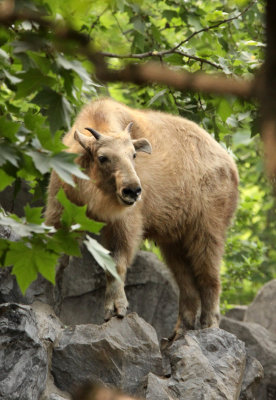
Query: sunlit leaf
[[102, 256], [5, 180], [73, 214]]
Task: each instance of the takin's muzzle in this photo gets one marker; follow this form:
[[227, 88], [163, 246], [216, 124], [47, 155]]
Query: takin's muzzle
[[130, 194]]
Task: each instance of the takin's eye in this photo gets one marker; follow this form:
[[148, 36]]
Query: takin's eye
[[134, 155], [102, 159]]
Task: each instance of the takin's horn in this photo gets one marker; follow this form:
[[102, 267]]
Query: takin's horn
[[96, 134], [129, 127], [83, 140]]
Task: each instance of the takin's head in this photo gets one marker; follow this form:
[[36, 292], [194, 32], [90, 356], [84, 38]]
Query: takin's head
[[113, 159]]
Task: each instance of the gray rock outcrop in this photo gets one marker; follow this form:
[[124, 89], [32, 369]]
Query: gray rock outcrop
[[23, 358], [120, 352], [262, 309], [237, 312], [43, 360], [207, 364], [150, 289], [78, 297], [47, 359], [260, 344]]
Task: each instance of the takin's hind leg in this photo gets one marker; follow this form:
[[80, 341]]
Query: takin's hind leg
[[189, 298], [206, 267]]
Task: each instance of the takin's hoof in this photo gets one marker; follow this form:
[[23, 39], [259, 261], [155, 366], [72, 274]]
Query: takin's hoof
[[119, 312], [209, 321]]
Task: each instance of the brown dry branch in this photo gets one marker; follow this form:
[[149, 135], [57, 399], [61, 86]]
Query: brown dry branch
[[181, 80], [268, 94]]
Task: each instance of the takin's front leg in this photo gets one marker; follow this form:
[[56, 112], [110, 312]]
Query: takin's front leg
[[53, 208], [122, 238]]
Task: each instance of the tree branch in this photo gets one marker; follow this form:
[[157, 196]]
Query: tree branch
[[158, 54], [197, 82], [268, 94]]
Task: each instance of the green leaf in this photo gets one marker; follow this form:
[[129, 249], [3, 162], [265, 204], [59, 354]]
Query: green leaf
[[21, 226], [73, 214], [32, 81], [174, 59], [157, 96], [138, 43], [169, 14], [63, 164], [7, 153], [13, 79], [224, 109], [138, 24], [37, 124], [33, 214], [75, 66], [242, 137], [27, 261], [65, 242], [46, 262], [21, 257], [5, 180], [58, 109], [102, 256], [8, 128], [41, 160]]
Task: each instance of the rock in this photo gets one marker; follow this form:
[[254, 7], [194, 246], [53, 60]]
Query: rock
[[78, 297], [262, 309], [8, 233], [23, 358], [55, 396], [237, 313], [157, 388], [14, 199], [150, 280], [207, 364], [49, 326], [253, 375], [49, 329], [119, 352], [150, 289], [260, 344]]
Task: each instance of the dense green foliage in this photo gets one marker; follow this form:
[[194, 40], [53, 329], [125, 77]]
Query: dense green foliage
[[42, 89]]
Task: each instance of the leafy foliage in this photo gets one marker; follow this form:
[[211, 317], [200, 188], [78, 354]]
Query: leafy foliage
[[42, 89]]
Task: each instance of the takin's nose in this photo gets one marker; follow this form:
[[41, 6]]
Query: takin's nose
[[131, 193]]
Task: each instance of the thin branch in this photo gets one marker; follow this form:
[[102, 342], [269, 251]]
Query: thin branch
[[120, 28], [225, 21], [97, 19], [159, 54]]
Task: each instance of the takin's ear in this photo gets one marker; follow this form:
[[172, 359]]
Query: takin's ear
[[84, 141], [142, 145]]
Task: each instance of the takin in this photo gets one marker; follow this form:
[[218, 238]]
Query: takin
[[156, 176]]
